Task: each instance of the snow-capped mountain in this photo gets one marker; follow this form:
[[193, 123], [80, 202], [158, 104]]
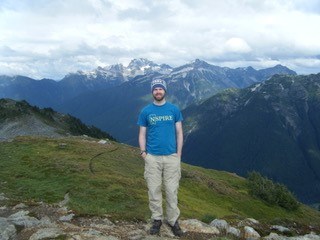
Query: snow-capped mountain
[[120, 73], [189, 83], [143, 66], [115, 109]]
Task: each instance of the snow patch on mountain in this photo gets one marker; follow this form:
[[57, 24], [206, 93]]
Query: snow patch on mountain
[[135, 68], [255, 87]]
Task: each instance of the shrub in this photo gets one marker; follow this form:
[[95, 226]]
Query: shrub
[[273, 193]]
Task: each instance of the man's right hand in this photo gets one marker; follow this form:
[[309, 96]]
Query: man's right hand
[[143, 155]]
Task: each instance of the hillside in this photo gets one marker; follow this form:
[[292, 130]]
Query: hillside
[[107, 180], [18, 118], [271, 127]]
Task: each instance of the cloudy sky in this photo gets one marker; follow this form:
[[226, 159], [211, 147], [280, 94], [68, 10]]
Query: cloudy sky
[[48, 39]]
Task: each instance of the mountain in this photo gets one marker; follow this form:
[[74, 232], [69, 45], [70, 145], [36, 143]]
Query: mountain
[[110, 76], [199, 80], [45, 92], [191, 82], [18, 118], [111, 97], [143, 66], [50, 93], [116, 109], [271, 127]]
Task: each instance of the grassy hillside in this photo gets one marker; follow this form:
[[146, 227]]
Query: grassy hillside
[[108, 179]]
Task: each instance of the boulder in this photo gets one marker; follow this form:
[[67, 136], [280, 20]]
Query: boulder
[[222, 225], [194, 225], [250, 233], [67, 218], [274, 236], [22, 219], [233, 231], [310, 236], [7, 230], [248, 222], [47, 233], [280, 228]]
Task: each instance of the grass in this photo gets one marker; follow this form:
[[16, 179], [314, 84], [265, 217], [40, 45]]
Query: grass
[[108, 179]]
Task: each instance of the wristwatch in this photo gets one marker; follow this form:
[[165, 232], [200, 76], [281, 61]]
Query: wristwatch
[[143, 151]]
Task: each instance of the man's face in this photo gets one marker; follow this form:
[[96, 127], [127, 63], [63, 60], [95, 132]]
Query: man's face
[[158, 94]]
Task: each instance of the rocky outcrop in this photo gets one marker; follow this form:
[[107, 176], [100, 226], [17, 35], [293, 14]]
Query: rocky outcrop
[[39, 221]]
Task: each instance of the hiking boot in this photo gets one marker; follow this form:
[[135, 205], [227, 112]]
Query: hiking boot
[[155, 229], [176, 229]]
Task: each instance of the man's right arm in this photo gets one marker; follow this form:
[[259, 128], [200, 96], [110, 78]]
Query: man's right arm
[[142, 141]]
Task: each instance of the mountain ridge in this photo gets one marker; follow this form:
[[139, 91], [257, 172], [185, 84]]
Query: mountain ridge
[[53, 93], [186, 85], [271, 127], [18, 118]]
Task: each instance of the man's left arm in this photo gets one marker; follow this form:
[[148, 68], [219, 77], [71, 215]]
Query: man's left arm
[[179, 134]]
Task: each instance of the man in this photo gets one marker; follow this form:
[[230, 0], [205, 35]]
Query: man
[[160, 141]]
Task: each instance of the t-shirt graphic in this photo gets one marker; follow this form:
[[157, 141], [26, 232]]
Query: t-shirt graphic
[[153, 118]]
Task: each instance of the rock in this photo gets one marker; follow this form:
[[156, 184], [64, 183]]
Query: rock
[[65, 201], [2, 197], [252, 220], [101, 226], [194, 225], [233, 231], [103, 142], [7, 230], [22, 219], [94, 232], [274, 236], [222, 225], [92, 235], [106, 221], [248, 222], [136, 234], [67, 218], [280, 228], [310, 236], [250, 233], [46, 222], [106, 224], [19, 206], [62, 145], [47, 233], [62, 210]]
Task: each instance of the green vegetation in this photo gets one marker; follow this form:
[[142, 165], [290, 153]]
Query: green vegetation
[[108, 179], [11, 109], [273, 193], [76, 127]]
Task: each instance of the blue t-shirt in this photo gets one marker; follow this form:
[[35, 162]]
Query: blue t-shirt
[[161, 131]]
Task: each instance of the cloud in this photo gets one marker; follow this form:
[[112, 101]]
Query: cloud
[[51, 38], [237, 45]]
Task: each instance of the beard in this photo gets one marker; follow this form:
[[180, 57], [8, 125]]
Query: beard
[[159, 97]]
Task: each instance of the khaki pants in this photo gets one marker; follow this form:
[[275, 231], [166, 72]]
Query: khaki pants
[[166, 168]]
